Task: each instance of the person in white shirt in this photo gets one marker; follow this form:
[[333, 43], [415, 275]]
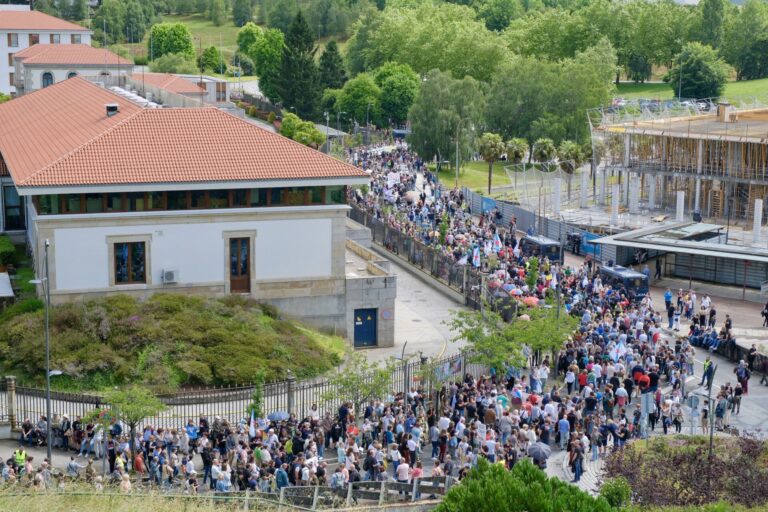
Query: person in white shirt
[[403, 472], [313, 413]]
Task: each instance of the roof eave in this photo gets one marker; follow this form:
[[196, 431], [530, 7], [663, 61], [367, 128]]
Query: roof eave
[[36, 190]]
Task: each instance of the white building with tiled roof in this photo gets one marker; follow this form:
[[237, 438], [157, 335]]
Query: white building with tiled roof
[[21, 28], [43, 65], [143, 200]]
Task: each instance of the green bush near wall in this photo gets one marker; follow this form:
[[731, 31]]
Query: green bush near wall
[[7, 251]]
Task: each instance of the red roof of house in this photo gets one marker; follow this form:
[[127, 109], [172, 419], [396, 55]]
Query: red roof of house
[[70, 54], [35, 20], [169, 82], [61, 136]]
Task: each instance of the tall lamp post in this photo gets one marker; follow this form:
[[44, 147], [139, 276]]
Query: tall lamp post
[[338, 127], [47, 290]]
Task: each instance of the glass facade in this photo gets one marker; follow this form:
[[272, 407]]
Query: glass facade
[[184, 200]]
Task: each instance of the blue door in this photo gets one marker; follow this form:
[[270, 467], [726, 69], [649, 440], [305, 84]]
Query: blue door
[[365, 327]]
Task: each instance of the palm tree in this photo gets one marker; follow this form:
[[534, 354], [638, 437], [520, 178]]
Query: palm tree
[[570, 156], [544, 151], [491, 148], [516, 150]]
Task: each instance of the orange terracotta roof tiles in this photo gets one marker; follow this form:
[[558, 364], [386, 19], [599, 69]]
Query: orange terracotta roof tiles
[[70, 54], [168, 82], [60, 136], [35, 20]]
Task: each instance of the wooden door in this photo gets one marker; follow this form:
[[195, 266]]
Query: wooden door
[[240, 265]]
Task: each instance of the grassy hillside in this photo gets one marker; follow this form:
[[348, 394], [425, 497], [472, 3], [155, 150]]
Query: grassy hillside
[[662, 91], [167, 341]]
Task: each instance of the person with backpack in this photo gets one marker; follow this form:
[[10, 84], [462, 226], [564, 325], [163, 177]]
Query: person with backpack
[[743, 374]]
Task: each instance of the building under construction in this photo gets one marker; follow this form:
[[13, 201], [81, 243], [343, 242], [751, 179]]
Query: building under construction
[[716, 154]]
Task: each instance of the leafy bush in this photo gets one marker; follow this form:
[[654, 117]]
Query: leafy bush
[[140, 60], [525, 488], [616, 491], [21, 307], [7, 251], [165, 341], [676, 471]]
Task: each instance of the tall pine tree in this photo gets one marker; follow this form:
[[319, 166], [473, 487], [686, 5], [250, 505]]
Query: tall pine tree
[[332, 72], [242, 12], [298, 83]]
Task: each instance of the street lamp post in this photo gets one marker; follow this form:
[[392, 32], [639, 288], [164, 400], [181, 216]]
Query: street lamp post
[[45, 283], [367, 124]]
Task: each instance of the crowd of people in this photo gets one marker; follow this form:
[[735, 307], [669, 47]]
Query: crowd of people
[[586, 400]]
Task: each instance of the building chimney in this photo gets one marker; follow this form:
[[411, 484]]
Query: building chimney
[[112, 109]]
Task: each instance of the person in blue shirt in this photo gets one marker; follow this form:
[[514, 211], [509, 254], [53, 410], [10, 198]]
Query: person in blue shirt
[[191, 433], [281, 477], [223, 484], [564, 428], [668, 298]]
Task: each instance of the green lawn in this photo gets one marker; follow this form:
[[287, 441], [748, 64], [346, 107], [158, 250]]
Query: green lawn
[[662, 91], [474, 176]]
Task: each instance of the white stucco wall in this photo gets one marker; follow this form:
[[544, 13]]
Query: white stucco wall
[[285, 250], [32, 76], [45, 38]]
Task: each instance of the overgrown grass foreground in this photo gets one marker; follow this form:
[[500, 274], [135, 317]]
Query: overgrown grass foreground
[[165, 341], [112, 501]]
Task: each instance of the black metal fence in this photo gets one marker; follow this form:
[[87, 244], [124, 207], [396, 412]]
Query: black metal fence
[[463, 279], [231, 403]]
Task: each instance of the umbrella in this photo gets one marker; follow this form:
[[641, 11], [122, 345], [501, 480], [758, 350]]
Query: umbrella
[[622, 392], [517, 292], [411, 196], [278, 416], [539, 451], [531, 301]]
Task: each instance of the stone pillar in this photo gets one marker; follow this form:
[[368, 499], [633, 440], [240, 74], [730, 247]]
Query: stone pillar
[[758, 221], [680, 217], [697, 196], [634, 195], [627, 144], [557, 186], [699, 169], [651, 191], [292, 394], [615, 191], [584, 189], [10, 397]]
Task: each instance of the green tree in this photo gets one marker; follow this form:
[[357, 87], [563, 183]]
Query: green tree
[[544, 151], [217, 12], [132, 405], [359, 381], [79, 10], [245, 63], [399, 86], [443, 113], [4, 98], [360, 98], [167, 38], [491, 147], [183, 6], [301, 131], [744, 41], [281, 15], [489, 339], [298, 81], [267, 55], [242, 12], [712, 22], [333, 75], [524, 488], [247, 36], [516, 150], [174, 63], [329, 102], [497, 14], [429, 36], [532, 272], [699, 72], [135, 22], [211, 60], [257, 398], [111, 17]]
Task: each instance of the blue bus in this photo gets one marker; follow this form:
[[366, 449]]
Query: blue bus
[[633, 282], [540, 246]]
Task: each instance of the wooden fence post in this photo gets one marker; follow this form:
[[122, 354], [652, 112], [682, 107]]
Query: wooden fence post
[[10, 397], [383, 492], [314, 498], [349, 493], [281, 500], [415, 489]]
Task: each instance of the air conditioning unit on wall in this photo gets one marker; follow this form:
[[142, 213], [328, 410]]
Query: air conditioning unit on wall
[[170, 276]]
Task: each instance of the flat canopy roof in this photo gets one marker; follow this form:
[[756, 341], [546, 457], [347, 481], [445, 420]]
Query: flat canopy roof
[[671, 238]]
